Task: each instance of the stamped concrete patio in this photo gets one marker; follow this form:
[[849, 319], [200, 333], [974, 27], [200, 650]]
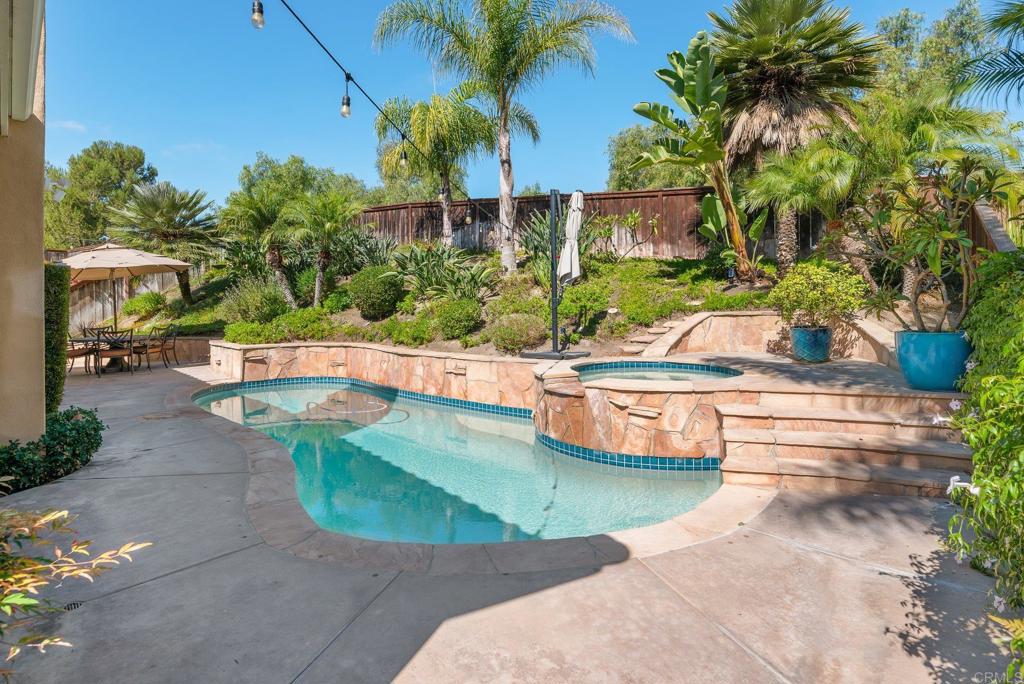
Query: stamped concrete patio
[[815, 588]]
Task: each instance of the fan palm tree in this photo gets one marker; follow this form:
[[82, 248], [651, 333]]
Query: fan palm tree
[[319, 220], [255, 215], [447, 129], [503, 47], [163, 219], [791, 67], [1003, 70]]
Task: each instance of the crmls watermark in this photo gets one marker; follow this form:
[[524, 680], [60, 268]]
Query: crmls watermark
[[996, 678]]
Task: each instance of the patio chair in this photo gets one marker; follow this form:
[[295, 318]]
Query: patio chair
[[79, 350], [160, 341], [115, 344], [92, 331], [169, 348]]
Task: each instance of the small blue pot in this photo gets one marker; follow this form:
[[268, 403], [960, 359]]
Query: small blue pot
[[813, 345], [932, 361]]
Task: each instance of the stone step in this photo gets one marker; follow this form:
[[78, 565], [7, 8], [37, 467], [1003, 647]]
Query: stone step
[[631, 349], [672, 324], [835, 476], [859, 478], [656, 330], [881, 450], [644, 339], [863, 399], [916, 426]]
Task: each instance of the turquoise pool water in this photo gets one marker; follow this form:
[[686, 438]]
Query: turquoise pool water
[[652, 370], [373, 465]]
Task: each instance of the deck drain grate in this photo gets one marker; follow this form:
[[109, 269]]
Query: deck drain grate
[[72, 606]]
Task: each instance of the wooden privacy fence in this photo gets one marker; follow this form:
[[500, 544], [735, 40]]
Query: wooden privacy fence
[[677, 209]]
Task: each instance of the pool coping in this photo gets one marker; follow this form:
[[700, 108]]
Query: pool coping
[[273, 508]]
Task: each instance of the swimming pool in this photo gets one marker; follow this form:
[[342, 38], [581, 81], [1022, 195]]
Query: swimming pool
[[372, 464], [652, 370]]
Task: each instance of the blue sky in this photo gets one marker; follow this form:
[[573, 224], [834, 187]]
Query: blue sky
[[201, 91]]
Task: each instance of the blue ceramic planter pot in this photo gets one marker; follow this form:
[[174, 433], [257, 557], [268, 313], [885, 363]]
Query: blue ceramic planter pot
[[932, 361], [812, 345]]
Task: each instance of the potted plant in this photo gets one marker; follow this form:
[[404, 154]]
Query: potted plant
[[813, 297], [928, 240]]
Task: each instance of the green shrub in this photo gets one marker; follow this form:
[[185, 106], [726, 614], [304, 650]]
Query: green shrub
[[458, 318], [376, 292], [57, 289], [642, 303], [305, 324], [583, 305], [517, 301], [412, 333], [253, 300], [338, 301], [145, 305], [72, 436], [990, 523], [513, 333], [408, 304], [353, 332], [818, 294], [253, 333]]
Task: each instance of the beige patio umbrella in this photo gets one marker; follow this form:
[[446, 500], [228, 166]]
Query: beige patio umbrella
[[569, 261], [111, 261]]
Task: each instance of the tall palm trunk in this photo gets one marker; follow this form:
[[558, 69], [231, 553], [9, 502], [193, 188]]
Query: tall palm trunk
[[276, 264], [185, 286], [720, 181], [447, 231], [786, 240], [910, 273], [323, 258], [506, 185]]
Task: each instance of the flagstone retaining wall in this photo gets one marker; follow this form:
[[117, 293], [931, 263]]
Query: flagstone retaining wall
[[504, 381], [764, 331]]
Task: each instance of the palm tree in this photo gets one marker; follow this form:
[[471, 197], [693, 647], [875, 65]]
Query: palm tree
[[891, 139], [1003, 71], [255, 215], [319, 220], [447, 129], [162, 219], [791, 67], [503, 47]]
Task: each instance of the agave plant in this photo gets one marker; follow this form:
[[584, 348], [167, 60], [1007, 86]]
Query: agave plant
[[376, 250], [425, 267], [477, 281]]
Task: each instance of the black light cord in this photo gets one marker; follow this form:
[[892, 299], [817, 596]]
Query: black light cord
[[406, 140]]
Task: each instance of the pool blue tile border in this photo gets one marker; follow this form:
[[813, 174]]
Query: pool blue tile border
[[628, 460], [703, 368], [352, 382], [573, 450]]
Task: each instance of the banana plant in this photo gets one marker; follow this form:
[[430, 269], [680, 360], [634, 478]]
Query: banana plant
[[716, 231], [699, 89]]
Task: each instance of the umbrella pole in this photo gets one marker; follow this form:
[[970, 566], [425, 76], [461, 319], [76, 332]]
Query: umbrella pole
[[113, 286], [553, 226]]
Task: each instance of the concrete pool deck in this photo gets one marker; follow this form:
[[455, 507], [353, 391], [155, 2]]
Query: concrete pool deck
[[815, 588]]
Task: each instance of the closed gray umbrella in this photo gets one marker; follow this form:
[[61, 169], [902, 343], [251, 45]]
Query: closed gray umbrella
[[569, 261]]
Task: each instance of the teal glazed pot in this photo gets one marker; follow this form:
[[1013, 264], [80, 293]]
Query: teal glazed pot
[[933, 361], [812, 345]]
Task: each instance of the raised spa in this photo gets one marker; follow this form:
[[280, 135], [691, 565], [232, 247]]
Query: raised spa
[[652, 370], [373, 464]]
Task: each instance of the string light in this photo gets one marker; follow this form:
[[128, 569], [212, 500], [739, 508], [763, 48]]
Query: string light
[[257, 15], [346, 101], [346, 106]]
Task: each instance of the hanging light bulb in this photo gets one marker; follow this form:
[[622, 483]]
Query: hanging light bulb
[[403, 160], [469, 216], [346, 101], [257, 15]]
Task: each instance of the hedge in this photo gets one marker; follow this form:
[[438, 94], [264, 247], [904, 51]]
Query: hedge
[[56, 296], [72, 437], [989, 527]]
